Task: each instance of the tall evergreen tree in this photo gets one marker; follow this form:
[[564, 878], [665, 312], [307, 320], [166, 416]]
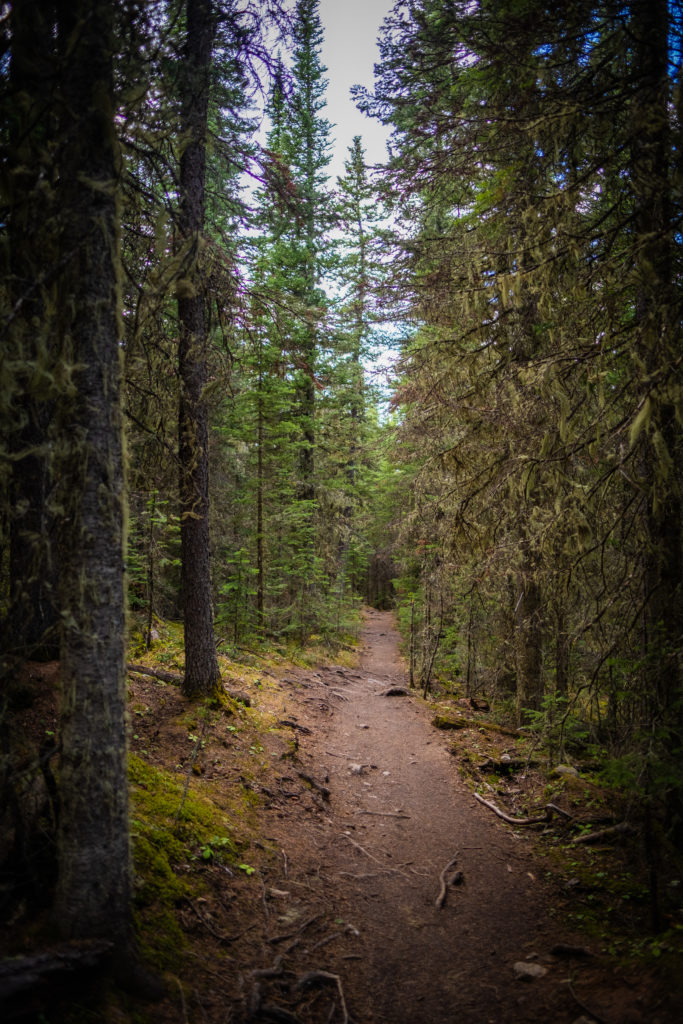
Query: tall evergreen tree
[[532, 148], [202, 673]]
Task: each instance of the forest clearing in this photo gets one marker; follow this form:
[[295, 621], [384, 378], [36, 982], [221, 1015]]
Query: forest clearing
[[341, 564]]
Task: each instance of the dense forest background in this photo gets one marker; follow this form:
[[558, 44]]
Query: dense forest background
[[191, 419]]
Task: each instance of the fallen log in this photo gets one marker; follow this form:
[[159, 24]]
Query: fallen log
[[549, 811], [460, 722], [513, 764], [156, 673], [177, 678]]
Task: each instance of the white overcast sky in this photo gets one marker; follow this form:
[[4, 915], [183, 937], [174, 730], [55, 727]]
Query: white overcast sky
[[349, 52]]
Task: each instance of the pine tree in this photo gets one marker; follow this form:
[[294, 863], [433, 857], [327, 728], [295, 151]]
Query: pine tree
[[536, 198], [202, 673]]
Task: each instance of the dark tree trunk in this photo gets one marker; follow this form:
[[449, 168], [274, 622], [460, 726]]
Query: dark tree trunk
[[94, 883], [528, 644], [202, 674], [30, 630], [657, 350]]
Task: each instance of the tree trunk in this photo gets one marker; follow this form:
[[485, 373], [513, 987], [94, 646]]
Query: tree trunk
[[657, 353], [30, 630], [202, 674], [528, 646], [94, 884]]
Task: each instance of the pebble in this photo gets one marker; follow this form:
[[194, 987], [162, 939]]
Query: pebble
[[527, 972]]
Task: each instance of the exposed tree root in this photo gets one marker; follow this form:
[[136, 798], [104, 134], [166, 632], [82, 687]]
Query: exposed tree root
[[314, 784], [313, 977], [441, 898], [624, 828], [550, 810]]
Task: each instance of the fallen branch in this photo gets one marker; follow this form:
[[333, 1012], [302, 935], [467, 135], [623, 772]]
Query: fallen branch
[[441, 898], [623, 828], [550, 810], [156, 673], [441, 721], [312, 977]]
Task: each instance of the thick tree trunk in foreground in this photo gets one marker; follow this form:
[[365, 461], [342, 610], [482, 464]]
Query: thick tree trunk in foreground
[[30, 629], [202, 674], [94, 884]]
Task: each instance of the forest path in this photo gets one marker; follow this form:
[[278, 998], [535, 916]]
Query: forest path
[[372, 857]]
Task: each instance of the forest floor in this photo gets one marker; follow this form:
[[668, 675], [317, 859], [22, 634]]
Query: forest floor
[[322, 903]]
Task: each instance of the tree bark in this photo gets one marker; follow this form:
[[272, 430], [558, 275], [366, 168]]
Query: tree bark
[[30, 630], [528, 643], [93, 896], [202, 674], [656, 350]]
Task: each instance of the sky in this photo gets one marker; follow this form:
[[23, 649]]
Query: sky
[[349, 52]]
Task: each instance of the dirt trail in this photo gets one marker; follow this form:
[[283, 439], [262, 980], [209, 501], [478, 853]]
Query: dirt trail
[[398, 814]]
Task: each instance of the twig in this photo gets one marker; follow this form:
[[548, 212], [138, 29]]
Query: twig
[[441, 898], [359, 847], [207, 924], [323, 942], [368, 874], [290, 935], [384, 814], [183, 1004]]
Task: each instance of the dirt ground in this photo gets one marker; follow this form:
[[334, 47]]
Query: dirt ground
[[366, 818], [375, 888]]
